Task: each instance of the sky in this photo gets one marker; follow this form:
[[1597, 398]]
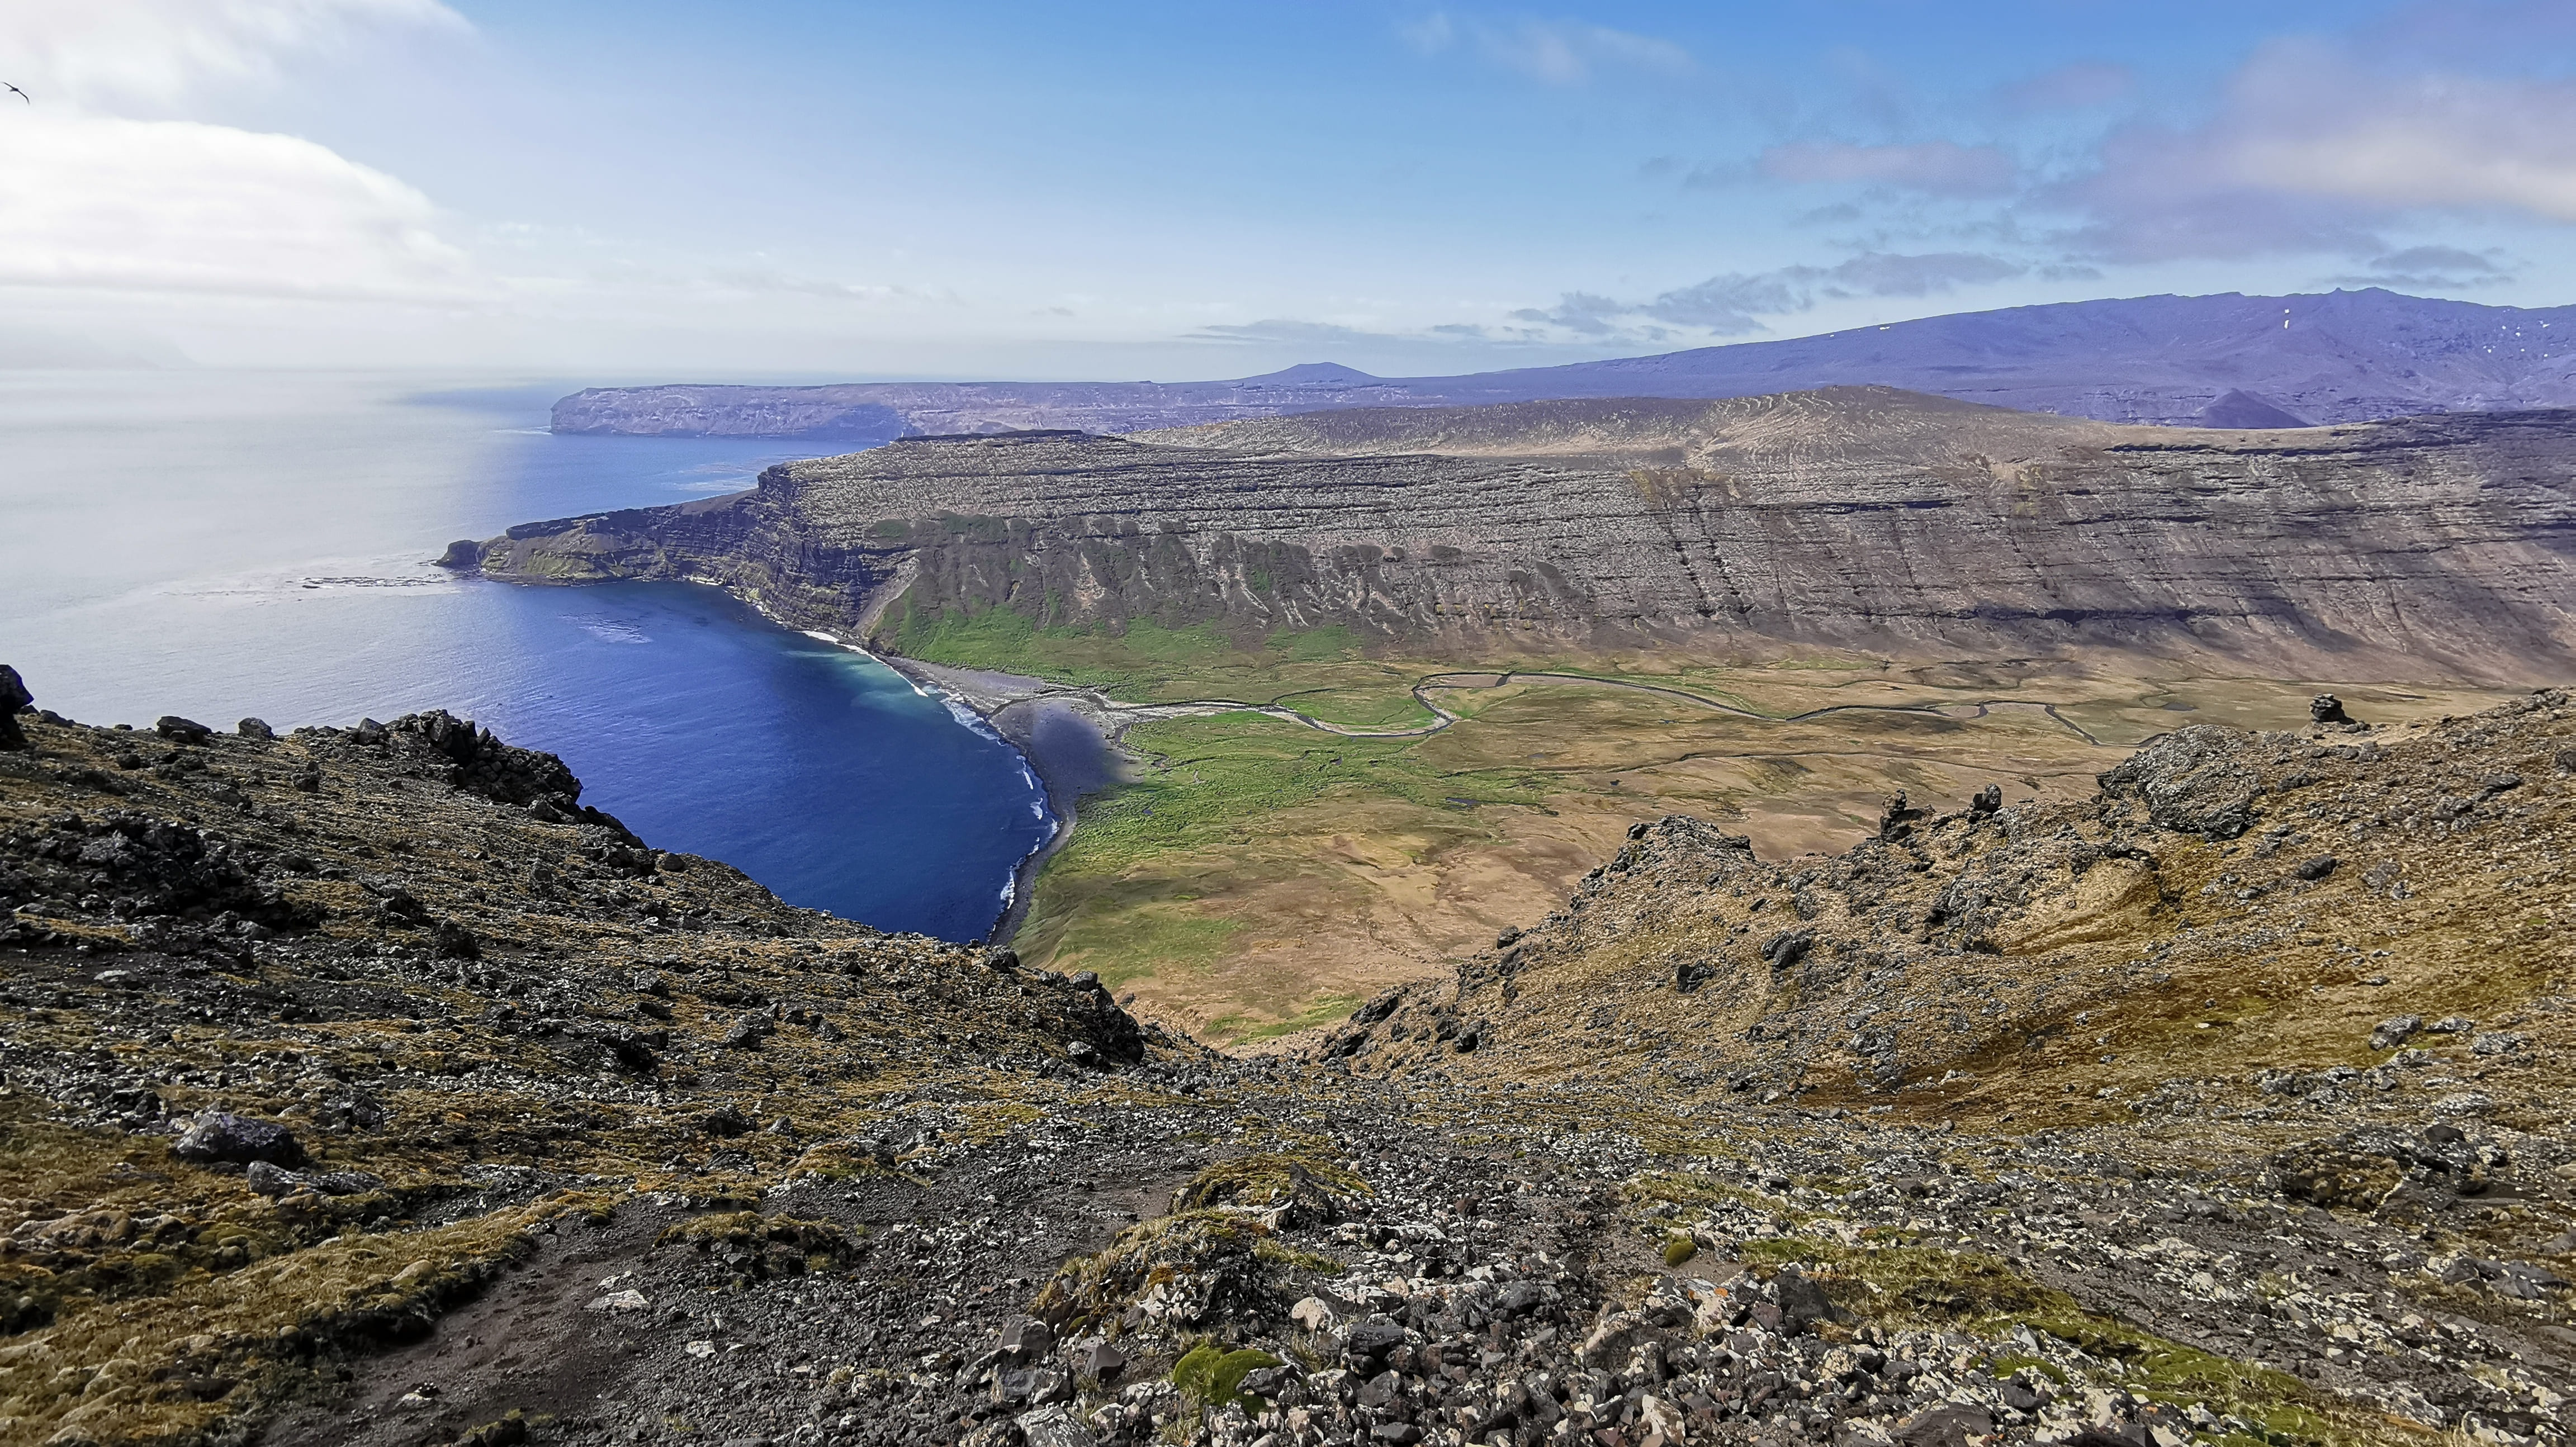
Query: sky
[[651, 191]]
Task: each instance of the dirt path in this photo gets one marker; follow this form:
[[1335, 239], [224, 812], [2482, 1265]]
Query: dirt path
[[989, 692]]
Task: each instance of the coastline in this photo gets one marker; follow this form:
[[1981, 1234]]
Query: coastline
[[1060, 762], [1070, 738], [1066, 735]]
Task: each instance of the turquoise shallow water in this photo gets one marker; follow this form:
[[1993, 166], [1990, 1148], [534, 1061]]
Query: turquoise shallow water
[[226, 545]]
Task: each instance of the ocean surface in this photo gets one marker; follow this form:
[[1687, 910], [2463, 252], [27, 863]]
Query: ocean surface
[[222, 545]]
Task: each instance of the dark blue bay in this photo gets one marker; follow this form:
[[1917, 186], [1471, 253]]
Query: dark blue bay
[[226, 545]]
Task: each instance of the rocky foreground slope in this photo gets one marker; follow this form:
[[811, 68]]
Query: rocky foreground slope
[[2178, 361], [1848, 517], [362, 1087]]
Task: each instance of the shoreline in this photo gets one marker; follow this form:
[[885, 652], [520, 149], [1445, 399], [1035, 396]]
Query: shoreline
[[1069, 737], [1027, 714], [989, 697]]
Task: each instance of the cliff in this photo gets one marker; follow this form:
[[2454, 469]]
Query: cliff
[[2213, 361], [1849, 517]]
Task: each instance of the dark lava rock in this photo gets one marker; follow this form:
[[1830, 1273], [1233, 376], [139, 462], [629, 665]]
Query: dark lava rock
[[1785, 950], [483, 764], [1031, 1386], [454, 941], [1950, 1425], [1803, 1303], [14, 699], [1027, 1340], [725, 1120], [1373, 1338], [256, 728], [270, 1180], [2317, 868], [1987, 800], [461, 554], [183, 730], [2193, 781], [1898, 818], [2325, 708], [221, 1136], [632, 1053], [1104, 1363], [167, 868]]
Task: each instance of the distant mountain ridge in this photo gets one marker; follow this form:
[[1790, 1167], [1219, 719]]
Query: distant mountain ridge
[[2211, 361]]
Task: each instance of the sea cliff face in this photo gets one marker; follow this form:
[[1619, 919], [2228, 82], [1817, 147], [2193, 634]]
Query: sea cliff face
[[1851, 516]]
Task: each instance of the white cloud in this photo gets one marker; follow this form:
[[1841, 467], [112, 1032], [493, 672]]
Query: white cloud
[[2304, 123], [121, 54], [102, 202], [2315, 147], [2080, 86], [93, 198], [769, 280], [1733, 304]]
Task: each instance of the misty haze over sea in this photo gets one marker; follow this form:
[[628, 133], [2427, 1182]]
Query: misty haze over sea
[[222, 545]]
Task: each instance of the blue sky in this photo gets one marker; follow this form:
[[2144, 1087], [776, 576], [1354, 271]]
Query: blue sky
[[1168, 190]]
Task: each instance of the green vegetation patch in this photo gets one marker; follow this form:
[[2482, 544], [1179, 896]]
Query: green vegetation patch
[[1320, 672], [1151, 937], [1212, 1373], [1221, 776], [759, 1246], [1321, 1010], [1929, 1286]]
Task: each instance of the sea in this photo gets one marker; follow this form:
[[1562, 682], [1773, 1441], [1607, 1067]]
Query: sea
[[222, 545]]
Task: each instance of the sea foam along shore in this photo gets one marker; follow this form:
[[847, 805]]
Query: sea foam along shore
[[1055, 800], [1069, 738]]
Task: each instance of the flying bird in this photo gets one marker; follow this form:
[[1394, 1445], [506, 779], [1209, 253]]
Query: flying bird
[[22, 95]]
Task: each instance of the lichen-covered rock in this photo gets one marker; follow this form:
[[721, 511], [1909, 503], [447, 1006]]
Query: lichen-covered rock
[[2193, 781]]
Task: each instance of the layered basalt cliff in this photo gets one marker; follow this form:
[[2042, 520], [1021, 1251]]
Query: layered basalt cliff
[[1856, 516]]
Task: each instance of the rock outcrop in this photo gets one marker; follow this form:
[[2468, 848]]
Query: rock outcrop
[[14, 699], [1855, 516], [2031, 1125], [2120, 941]]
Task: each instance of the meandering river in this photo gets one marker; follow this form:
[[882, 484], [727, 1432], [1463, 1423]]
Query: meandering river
[[224, 544]]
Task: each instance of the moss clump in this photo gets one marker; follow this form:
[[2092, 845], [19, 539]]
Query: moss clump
[[220, 1344], [1915, 1283], [1213, 1247], [760, 1247], [1678, 1249], [1929, 1286], [1311, 1185], [1212, 1374]]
